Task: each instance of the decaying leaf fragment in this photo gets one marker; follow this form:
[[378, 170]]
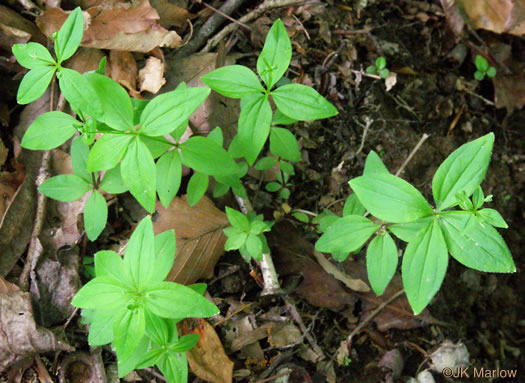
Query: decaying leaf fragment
[[200, 240], [19, 335], [207, 359], [121, 26]]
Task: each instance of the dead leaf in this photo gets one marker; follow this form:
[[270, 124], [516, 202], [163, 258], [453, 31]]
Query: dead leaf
[[85, 60], [285, 335], [509, 92], [6, 196], [499, 16], [200, 240], [19, 335], [123, 27], [123, 69], [15, 24], [352, 283], [151, 77], [207, 359], [171, 15]]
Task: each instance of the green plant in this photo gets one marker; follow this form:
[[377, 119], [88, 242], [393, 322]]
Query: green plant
[[483, 69], [379, 68], [128, 304], [469, 234]]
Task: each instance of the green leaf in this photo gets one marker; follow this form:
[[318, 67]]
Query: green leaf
[[216, 136], [34, 84], [220, 190], [371, 69], [79, 92], [390, 198], [273, 186], [492, 217], [381, 62], [477, 246], [166, 112], [32, 55], [254, 245], [139, 258], [325, 219], [407, 231], [139, 174], [284, 144], [116, 104], [384, 73], [171, 300], [95, 215], [238, 219], [128, 327], [463, 170], [478, 198], [101, 327], [69, 36], [101, 293], [112, 182], [102, 66], [254, 125], [346, 235], [174, 367], [265, 163], [185, 343], [205, 156], [49, 130], [156, 329], [235, 240], [169, 169], [79, 156], [197, 187], [381, 262], [110, 264], [138, 108], [374, 164], [491, 72], [157, 145], [286, 167], [149, 358], [125, 366], [353, 206], [65, 187], [284, 193], [165, 248], [481, 63], [235, 81], [302, 103], [302, 217], [279, 118], [424, 266], [275, 55], [479, 75]]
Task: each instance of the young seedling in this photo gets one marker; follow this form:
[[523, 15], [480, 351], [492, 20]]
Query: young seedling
[[483, 69], [431, 232], [379, 68]]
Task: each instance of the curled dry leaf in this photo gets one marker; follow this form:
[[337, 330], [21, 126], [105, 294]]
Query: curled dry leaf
[[151, 77], [123, 27], [85, 60], [207, 359], [171, 15], [123, 69], [499, 16], [200, 239], [20, 337], [16, 29]]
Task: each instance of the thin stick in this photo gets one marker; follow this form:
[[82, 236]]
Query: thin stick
[[267, 5], [297, 318], [226, 16], [412, 153]]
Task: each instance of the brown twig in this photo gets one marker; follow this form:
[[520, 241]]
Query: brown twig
[[267, 5], [208, 28], [226, 16], [412, 153], [290, 306]]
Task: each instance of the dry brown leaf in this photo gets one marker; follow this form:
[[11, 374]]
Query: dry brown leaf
[[19, 335], [6, 196], [355, 284], [15, 24], [200, 240], [171, 15], [509, 92], [123, 69], [151, 77], [122, 27], [499, 16], [207, 359], [85, 60]]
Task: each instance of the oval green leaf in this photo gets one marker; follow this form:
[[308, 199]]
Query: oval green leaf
[[49, 131], [302, 103]]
